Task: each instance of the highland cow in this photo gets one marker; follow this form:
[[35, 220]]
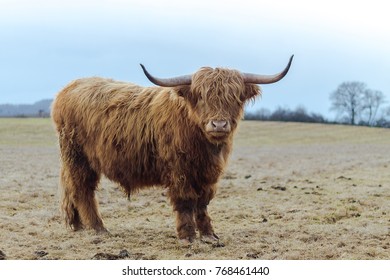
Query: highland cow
[[177, 135]]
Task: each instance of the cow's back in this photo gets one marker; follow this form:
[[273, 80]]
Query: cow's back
[[116, 125]]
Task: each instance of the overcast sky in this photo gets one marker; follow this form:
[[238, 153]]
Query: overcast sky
[[45, 44]]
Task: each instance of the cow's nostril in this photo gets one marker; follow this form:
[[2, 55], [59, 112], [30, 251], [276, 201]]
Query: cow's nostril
[[219, 125]]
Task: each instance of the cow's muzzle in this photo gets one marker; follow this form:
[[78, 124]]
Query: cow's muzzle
[[218, 127]]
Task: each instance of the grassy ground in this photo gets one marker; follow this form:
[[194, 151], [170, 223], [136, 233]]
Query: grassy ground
[[291, 191]]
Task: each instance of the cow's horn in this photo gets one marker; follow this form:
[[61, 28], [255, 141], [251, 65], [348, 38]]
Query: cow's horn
[[266, 79], [170, 82]]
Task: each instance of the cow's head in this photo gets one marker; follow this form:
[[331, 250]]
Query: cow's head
[[216, 97]]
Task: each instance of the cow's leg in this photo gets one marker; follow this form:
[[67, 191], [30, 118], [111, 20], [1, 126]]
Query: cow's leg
[[185, 224], [79, 182], [203, 220], [71, 215]]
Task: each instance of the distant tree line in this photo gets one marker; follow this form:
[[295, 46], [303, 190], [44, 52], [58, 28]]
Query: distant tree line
[[300, 114], [39, 109], [353, 102]]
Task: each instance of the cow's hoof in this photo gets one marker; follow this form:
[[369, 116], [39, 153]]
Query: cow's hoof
[[186, 241], [209, 238]]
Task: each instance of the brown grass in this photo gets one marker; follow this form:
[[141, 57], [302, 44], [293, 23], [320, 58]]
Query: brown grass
[[291, 191]]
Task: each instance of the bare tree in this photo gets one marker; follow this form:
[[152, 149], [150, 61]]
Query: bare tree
[[384, 118], [347, 100], [373, 99]]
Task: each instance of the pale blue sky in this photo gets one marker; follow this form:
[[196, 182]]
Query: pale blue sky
[[45, 44]]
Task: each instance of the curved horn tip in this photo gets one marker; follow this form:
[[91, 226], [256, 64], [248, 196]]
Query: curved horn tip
[[289, 63], [291, 59], [150, 77], [142, 66]]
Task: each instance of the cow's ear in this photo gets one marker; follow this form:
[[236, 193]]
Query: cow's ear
[[183, 91], [251, 91], [187, 94]]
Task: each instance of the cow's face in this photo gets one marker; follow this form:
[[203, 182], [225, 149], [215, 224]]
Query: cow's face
[[216, 98]]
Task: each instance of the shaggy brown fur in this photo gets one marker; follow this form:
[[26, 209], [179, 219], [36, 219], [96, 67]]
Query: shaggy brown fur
[[140, 137]]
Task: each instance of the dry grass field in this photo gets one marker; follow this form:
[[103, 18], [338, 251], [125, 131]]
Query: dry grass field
[[291, 191]]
